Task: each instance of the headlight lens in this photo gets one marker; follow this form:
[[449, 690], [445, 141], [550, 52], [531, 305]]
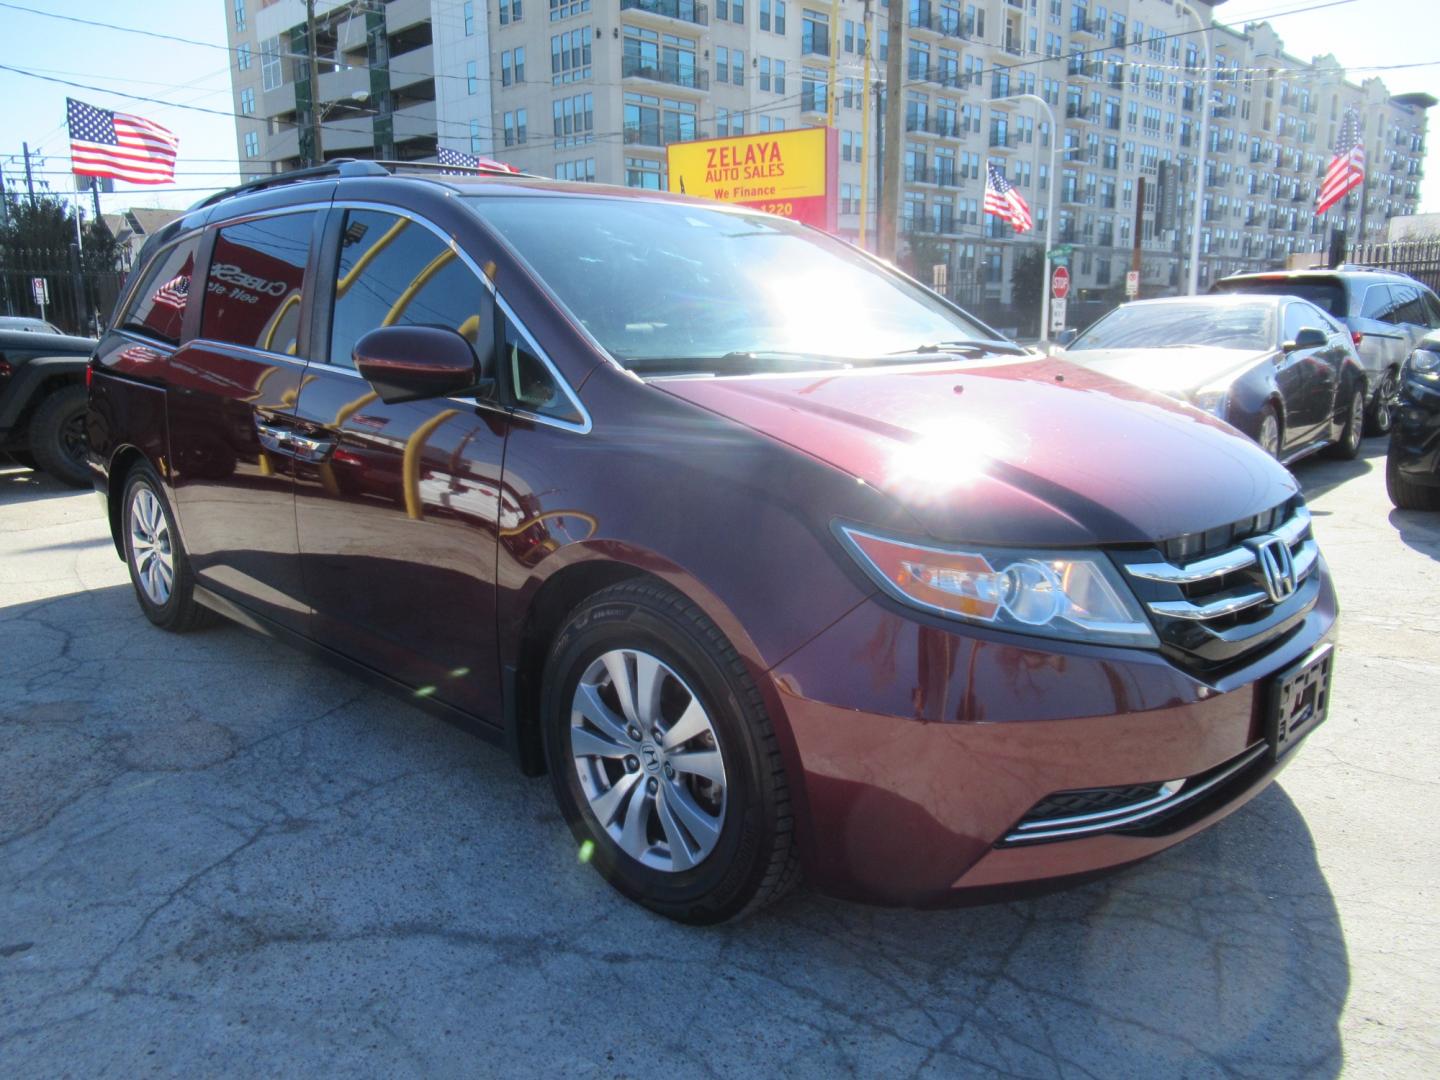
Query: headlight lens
[[1425, 362], [1212, 401], [1074, 595]]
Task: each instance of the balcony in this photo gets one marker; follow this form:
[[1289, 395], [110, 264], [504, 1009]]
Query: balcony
[[812, 100], [934, 73], [947, 26], [1003, 140], [669, 72], [1074, 111], [686, 11], [647, 134], [933, 125]]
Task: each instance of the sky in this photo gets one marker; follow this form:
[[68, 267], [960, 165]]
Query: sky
[[1361, 33]]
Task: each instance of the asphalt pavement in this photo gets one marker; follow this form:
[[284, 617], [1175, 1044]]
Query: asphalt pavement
[[220, 857]]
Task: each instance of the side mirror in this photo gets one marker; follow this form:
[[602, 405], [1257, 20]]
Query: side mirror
[[1066, 336], [410, 363], [1307, 337]]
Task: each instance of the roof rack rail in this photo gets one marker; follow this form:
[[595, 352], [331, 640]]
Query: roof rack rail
[[337, 167], [435, 166]]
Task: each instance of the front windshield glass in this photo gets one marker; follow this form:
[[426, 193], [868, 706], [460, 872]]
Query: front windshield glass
[[1158, 326], [659, 283]]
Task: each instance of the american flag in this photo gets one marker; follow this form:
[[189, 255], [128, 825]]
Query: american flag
[[120, 146], [173, 293], [1002, 200], [1347, 167], [446, 156]]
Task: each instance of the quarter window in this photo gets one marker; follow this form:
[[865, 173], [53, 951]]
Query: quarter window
[[1378, 303], [157, 308], [253, 289], [1409, 307]]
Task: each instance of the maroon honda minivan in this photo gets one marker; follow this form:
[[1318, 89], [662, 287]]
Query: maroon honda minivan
[[772, 559]]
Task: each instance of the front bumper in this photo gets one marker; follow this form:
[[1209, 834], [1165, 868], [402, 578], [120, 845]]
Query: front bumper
[[920, 747]]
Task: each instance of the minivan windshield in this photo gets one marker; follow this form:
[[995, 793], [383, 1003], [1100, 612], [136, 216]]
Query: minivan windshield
[[676, 287], [1167, 325]]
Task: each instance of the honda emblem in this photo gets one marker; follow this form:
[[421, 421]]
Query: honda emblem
[[1277, 567]]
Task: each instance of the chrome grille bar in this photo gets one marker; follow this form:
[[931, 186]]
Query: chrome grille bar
[[1227, 562], [1233, 600]]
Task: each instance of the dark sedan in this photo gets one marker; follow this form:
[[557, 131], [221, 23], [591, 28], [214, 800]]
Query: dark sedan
[[1412, 467], [1276, 367]]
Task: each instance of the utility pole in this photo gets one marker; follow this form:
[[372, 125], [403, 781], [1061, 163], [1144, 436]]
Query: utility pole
[[865, 150], [29, 177], [894, 142], [317, 153], [1135, 252]]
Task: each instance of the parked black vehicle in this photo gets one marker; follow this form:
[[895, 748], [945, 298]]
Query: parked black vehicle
[[1276, 367], [1387, 313], [1412, 467], [42, 401]]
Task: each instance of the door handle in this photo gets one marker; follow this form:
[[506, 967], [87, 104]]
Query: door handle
[[280, 440]]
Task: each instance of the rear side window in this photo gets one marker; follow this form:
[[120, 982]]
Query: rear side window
[[253, 290], [396, 272], [157, 307], [1326, 294], [1432, 308], [1379, 304], [1409, 307]]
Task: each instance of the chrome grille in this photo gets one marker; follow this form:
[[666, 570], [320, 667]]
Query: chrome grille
[[1220, 605]]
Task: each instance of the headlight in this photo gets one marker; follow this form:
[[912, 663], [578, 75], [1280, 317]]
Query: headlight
[[1074, 595], [1425, 362], [1212, 401]]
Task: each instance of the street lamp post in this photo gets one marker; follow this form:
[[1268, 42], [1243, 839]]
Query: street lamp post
[[1194, 282], [1049, 207]]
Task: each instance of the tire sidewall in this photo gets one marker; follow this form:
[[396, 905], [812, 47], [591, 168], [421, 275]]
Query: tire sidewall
[[47, 434], [728, 876], [165, 614]]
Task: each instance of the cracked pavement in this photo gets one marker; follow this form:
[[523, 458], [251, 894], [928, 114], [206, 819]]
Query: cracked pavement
[[220, 856]]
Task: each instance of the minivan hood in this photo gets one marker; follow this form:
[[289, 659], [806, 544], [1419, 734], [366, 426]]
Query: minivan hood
[[1028, 452], [1178, 372]]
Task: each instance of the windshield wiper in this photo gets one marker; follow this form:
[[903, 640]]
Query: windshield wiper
[[971, 346], [734, 363]]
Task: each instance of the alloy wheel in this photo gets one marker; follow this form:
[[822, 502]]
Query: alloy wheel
[[73, 439], [150, 548], [648, 760], [1384, 412], [1270, 435], [1354, 428]]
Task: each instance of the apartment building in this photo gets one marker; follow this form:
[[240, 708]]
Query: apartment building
[[596, 89]]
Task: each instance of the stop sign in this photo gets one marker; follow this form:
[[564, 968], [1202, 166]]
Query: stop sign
[[1060, 282]]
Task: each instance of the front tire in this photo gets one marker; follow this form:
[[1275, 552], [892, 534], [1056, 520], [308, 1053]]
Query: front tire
[[1405, 494], [159, 569], [1268, 435], [1347, 448], [57, 436], [663, 758]]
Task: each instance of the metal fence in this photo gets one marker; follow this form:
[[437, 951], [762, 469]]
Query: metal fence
[[1418, 258], [77, 301]]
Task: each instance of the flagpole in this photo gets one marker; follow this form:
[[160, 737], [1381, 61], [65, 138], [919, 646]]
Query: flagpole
[[1049, 209]]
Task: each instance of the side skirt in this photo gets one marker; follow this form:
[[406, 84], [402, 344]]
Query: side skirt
[[473, 725]]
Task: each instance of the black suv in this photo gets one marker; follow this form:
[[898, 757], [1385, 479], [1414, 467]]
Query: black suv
[[42, 401], [1387, 314]]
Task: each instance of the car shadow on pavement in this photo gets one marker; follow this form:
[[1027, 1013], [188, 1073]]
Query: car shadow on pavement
[[216, 852], [1319, 474], [19, 484], [1418, 529]]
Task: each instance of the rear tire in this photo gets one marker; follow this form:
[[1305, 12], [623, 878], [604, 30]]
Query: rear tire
[[57, 435], [23, 459], [1405, 494], [1347, 447], [627, 766], [155, 557], [1382, 410]]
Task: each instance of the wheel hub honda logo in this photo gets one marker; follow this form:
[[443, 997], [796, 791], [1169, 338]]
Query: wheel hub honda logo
[[651, 756], [1277, 567]]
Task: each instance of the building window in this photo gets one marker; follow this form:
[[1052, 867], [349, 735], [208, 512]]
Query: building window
[[722, 64], [239, 14], [272, 74], [509, 12], [469, 12], [764, 73], [512, 66], [247, 101], [475, 143], [563, 9], [242, 56], [573, 119], [570, 56], [582, 170], [252, 144], [772, 15], [472, 80], [779, 76], [644, 173], [737, 67]]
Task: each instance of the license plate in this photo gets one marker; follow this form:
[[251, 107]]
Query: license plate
[[1299, 699]]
